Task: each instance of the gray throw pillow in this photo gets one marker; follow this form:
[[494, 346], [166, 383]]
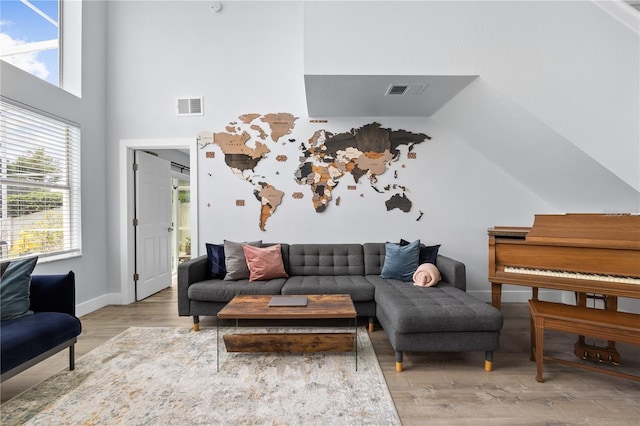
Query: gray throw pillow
[[235, 260], [14, 289]]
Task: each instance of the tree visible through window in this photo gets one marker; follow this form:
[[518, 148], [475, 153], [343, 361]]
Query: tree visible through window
[[30, 37], [40, 184]]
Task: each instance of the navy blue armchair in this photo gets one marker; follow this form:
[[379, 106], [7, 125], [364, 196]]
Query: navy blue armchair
[[53, 327]]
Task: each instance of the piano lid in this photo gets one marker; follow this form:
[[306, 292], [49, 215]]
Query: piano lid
[[618, 231]]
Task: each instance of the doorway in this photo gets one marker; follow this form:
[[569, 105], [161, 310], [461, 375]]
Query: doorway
[[128, 201], [181, 221]]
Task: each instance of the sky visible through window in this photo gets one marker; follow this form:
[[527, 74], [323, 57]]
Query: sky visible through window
[[20, 25]]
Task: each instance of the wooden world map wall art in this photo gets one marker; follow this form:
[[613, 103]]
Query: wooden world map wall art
[[363, 153]]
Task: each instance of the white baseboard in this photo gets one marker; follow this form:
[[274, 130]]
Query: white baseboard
[[89, 306]]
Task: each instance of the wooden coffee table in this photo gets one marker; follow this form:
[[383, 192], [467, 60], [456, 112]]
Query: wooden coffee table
[[256, 307]]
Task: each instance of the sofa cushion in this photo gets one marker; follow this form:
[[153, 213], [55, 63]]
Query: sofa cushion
[[25, 338], [326, 259], [224, 290], [14, 288], [235, 261], [400, 261], [358, 287], [215, 258], [443, 308], [264, 263]]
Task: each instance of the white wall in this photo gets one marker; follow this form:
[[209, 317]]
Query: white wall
[[570, 65], [88, 111], [249, 58]]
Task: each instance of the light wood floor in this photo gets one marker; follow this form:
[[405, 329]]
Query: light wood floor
[[434, 389]]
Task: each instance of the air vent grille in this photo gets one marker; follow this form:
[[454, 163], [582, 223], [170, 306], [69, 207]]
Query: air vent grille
[[189, 106], [397, 90], [405, 89]]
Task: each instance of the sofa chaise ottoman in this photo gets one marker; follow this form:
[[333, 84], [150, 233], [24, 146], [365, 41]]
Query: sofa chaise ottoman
[[443, 318]]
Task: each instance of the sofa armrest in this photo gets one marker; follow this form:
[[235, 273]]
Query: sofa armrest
[[452, 271], [53, 293], [190, 272]]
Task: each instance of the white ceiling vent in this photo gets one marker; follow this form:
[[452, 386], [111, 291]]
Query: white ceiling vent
[[405, 89], [189, 106]]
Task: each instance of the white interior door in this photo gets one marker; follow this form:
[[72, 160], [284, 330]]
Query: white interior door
[[153, 232]]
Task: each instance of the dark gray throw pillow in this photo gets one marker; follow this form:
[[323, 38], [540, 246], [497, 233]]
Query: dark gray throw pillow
[[235, 261]]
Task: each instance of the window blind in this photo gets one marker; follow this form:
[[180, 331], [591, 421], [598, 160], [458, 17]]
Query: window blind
[[39, 184]]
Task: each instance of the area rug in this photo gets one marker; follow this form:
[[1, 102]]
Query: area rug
[[167, 376]]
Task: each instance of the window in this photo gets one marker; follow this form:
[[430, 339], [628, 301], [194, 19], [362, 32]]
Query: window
[[39, 184], [30, 37]]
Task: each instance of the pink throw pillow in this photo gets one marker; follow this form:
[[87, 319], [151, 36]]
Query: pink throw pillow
[[265, 263]]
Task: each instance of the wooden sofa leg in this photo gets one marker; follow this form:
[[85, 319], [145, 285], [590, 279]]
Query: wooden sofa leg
[[488, 361], [196, 323], [399, 361], [371, 324]]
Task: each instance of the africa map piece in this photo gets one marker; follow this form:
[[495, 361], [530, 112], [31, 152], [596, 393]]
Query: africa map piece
[[365, 151]]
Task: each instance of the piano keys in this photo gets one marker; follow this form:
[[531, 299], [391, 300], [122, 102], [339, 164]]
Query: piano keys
[[573, 275]]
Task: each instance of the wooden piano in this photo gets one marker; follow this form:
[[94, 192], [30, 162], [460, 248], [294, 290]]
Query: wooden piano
[[595, 255]]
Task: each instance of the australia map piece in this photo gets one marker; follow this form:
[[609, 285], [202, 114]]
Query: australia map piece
[[365, 151], [398, 201], [243, 152]]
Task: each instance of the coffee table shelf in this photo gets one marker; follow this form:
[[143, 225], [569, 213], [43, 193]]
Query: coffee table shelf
[[290, 342]]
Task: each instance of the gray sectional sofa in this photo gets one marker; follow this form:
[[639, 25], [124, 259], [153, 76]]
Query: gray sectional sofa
[[443, 318]]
